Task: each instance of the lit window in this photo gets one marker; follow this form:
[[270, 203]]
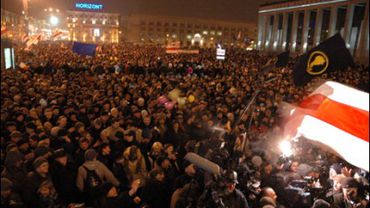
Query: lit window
[[96, 32], [93, 21]]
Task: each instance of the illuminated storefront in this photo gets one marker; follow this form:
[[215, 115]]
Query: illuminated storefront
[[88, 23]]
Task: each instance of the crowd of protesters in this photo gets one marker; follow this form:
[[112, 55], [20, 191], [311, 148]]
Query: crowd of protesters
[[112, 131]]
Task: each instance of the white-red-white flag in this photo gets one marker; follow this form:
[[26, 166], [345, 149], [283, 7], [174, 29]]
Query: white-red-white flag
[[57, 34], [336, 116]]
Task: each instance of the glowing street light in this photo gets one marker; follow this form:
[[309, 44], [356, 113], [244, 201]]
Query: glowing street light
[[54, 20]]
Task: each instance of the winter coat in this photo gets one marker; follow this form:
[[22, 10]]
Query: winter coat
[[101, 170]]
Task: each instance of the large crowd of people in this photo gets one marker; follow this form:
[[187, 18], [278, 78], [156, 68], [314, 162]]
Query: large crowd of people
[[113, 130]]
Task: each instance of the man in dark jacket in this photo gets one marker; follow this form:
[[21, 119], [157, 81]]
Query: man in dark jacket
[[233, 197], [155, 192], [15, 170], [34, 180], [63, 174]]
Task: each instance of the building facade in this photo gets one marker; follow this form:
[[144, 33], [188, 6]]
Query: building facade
[[93, 27], [302, 24], [146, 29], [14, 24]]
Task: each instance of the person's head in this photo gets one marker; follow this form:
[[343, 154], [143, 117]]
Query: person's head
[[90, 155], [129, 136], [6, 188], [41, 166], [97, 123], [190, 170], [62, 121], [176, 126], [168, 148], [269, 192], [16, 136], [133, 153], [157, 174], [141, 102], [266, 201], [231, 181], [157, 147], [46, 188], [42, 151], [13, 158], [80, 127], [146, 120], [23, 145], [10, 126], [268, 168], [114, 112], [163, 162], [105, 149], [349, 188], [48, 113], [294, 166], [116, 123], [61, 157], [84, 144]]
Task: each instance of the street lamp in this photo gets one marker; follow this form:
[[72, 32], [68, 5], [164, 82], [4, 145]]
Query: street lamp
[[54, 20]]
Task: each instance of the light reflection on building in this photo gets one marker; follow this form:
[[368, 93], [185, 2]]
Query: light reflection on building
[[91, 26]]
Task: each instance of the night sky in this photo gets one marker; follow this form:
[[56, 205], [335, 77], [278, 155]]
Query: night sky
[[235, 10]]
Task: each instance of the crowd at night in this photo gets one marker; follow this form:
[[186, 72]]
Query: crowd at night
[[113, 130]]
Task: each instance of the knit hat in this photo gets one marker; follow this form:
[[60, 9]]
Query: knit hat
[[6, 184], [59, 153], [41, 151], [90, 154], [38, 162], [16, 134], [21, 142]]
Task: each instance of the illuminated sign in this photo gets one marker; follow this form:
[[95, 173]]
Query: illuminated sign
[[220, 54], [89, 6]]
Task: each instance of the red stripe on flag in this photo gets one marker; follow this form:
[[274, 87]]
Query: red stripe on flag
[[347, 118]]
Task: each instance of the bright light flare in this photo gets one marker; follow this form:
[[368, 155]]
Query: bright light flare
[[54, 20], [286, 148]]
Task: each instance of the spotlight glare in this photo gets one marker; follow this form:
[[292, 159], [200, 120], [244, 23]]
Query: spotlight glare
[[286, 148], [54, 20]]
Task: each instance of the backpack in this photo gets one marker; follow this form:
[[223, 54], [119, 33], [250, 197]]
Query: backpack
[[92, 180]]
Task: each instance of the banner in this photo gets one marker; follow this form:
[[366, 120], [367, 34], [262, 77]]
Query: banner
[[84, 48], [335, 116]]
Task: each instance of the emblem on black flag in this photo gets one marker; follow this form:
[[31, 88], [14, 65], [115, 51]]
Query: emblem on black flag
[[317, 63]]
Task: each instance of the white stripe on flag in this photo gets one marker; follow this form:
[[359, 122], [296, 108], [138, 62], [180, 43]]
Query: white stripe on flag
[[351, 148], [343, 94]]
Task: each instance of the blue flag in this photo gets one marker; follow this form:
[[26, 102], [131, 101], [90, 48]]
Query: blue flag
[[84, 48]]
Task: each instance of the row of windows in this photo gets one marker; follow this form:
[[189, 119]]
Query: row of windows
[[182, 25], [204, 32]]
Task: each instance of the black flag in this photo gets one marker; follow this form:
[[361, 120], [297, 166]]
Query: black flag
[[283, 59], [330, 55]]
